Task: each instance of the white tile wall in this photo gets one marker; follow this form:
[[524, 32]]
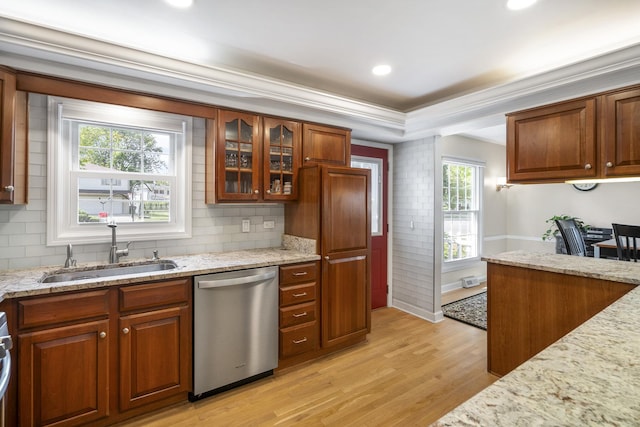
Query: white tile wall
[[413, 248], [215, 227]]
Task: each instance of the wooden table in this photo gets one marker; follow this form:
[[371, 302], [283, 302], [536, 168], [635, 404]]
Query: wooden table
[[607, 244]]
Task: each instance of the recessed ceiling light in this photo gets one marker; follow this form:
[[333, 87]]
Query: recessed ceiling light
[[381, 70], [183, 4], [519, 4]]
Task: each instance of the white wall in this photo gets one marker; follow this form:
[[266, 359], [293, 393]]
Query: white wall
[[494, 220], [531, 204], [215, 227]]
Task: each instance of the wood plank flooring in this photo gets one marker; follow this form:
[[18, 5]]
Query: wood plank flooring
[[409, 372]]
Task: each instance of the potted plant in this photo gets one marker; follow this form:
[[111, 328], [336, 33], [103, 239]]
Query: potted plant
[[553, 232]]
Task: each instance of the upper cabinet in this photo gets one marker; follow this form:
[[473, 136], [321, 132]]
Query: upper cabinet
[[587, 138], [326, 145], [238, 156], [621, 133], [13, 140], [257, 158], [282, 158]]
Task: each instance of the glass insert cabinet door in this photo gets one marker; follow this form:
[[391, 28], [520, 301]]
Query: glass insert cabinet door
[[238, 156], [282, 140]]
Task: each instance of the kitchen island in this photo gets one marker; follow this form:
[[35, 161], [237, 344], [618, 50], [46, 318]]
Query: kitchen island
[[588, 377]]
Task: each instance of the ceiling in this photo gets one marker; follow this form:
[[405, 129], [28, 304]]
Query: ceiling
[[453, 61]]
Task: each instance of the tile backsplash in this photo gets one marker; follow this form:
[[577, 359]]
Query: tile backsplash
[[215, 227]]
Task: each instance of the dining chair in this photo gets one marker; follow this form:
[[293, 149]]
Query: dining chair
[[572, 236], [627, 240]]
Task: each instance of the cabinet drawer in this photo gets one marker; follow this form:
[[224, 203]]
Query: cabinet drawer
[[298, 339], [154, 294], [297, 314], [297, 294], [298, 273], [62, 308]]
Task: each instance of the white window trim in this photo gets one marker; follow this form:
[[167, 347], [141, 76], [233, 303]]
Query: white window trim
[[461, 264], [61, 229]]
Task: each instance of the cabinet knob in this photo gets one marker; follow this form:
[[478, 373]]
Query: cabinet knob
[[268, 191], [125, 331], [9, 188], [256, 191], [306, 159], [587, 166], [327, 258], [102, 334], [609, 165]]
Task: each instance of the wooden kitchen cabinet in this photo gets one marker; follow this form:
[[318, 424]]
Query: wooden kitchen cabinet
[[621, 133], [238, 156], [155, 343], [587, 138], [63, 366], [299, 312], [257, 157], [326, 145], [553, 143], [333, 209], [13, 140], [97, 357], [528, 310], [64, 375]]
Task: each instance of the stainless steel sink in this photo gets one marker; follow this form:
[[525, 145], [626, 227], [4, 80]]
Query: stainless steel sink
[[108, 270]]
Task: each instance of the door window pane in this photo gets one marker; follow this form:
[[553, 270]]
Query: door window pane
[[375, 165]]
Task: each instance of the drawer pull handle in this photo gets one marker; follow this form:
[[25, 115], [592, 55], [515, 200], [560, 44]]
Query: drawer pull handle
[[103, 334], [9, 188], [303, 294], [125, 331], [300, 273], [300, 341], [300, 314]]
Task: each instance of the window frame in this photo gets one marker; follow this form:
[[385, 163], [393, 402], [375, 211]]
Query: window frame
[[457, 264], [62, 201]]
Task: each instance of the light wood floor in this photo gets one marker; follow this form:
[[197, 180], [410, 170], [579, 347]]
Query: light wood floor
[[410, 372], [461, 293]]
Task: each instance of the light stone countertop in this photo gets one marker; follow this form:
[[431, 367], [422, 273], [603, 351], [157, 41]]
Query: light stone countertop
[[21, 283], [590, 377], [596, 268]]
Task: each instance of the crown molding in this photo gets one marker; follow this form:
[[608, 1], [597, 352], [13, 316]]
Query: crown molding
[[44, 50]]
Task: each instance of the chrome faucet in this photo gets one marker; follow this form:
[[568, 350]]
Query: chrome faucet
[[114, 252], [70, 261]]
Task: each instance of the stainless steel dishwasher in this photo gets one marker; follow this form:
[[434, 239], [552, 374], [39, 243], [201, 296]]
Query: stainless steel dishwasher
[[235, 329]]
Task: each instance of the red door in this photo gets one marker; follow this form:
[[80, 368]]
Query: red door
[[368, 157]]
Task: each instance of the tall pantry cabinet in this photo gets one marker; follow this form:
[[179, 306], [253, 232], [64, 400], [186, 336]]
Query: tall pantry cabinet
[[333, 208]]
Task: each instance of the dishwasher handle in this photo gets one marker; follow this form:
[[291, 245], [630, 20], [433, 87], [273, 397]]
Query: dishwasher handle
[[220, 283]]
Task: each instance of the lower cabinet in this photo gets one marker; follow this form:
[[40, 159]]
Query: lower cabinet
[[98, 357], [299, 314], [64, 375], [153, 363], [528, 310]]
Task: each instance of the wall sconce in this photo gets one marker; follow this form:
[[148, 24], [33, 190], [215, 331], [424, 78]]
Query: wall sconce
[[501, 182]]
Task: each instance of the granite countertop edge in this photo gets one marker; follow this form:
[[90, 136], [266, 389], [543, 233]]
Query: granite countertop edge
[[22, 283], [588, 377], [596, 268]]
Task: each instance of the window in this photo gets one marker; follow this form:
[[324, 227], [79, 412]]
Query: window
[[461, 208], [375, 166], [124, 164]]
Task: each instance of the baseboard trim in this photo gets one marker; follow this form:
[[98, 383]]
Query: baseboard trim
[[418, 312]]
